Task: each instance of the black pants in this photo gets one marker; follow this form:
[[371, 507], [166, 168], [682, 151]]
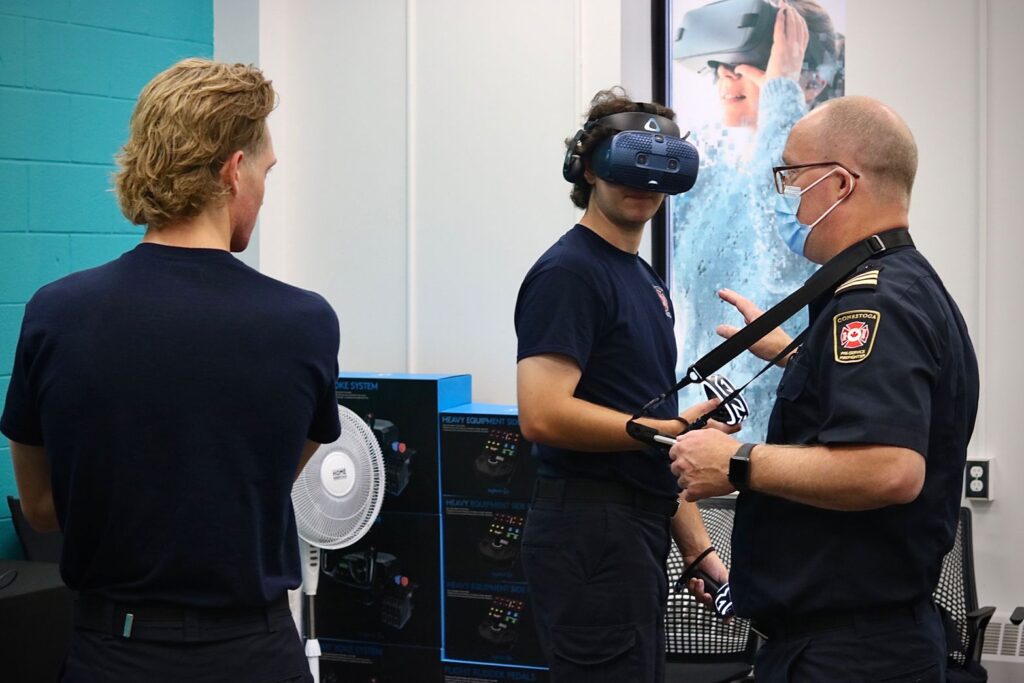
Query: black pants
[[271, 652], [596, 574], [904, 649]]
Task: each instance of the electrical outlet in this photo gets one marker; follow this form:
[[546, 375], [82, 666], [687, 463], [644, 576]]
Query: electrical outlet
[[978, 480]]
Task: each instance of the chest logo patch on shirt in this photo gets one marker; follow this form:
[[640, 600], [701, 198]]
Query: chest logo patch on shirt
[[664, 301], [854, 333]]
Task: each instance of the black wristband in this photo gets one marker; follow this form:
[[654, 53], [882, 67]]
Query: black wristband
[[697, 560]]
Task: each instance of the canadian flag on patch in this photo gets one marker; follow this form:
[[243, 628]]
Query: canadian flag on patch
[[854, 335]]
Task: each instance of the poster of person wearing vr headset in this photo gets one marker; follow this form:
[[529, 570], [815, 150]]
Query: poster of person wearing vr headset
[[742, 73]]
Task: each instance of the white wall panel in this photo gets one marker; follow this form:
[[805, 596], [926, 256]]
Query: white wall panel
[[494, 95], [334, 219], [922, 61]]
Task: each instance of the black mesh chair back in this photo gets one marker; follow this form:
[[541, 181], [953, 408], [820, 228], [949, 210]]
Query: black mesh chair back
[[36, 546], [700, 647], [957, 595]]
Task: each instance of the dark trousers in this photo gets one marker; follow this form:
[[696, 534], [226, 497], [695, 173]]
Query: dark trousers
[[268, 650], [909, 648], [596, 575]]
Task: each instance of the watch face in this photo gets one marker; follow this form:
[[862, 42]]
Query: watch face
[[739, 470]]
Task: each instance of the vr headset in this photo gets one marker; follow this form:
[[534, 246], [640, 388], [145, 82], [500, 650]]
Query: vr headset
[[647, 154], [736, 32]]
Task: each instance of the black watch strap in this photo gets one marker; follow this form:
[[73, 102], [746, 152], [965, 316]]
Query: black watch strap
[[739, 467]]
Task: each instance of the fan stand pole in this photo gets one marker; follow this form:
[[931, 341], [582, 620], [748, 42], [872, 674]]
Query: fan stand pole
[[310, 555], [312, 644]]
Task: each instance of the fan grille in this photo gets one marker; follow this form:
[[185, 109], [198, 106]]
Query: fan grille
[[329, 520]]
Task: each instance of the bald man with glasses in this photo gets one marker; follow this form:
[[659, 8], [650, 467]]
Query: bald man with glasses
[[845, 514]]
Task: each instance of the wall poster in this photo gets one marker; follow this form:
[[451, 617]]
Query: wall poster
[[739, 74]]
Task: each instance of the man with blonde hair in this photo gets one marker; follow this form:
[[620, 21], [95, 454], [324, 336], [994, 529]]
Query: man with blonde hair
[[161, 405], [845, 514]]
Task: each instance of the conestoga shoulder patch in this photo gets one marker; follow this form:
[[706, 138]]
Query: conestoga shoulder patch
[[854, 333]]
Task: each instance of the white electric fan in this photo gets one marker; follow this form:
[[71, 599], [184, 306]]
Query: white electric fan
[[336, 498]]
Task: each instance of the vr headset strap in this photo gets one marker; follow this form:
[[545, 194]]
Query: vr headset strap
[[826, 278]]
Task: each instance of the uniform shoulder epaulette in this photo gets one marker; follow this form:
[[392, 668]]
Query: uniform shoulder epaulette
[[865, 278]]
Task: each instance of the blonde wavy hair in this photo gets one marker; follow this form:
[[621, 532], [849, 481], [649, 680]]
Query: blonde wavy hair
[[187, 122]]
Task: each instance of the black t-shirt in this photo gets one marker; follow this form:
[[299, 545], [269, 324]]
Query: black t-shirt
[[891, 365], [173, 390], [610, 312]]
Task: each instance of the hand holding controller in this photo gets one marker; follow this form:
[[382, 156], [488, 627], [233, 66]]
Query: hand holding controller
[[721, 591]]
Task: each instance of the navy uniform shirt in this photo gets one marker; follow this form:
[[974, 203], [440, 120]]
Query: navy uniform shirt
[[887, 361], [610, 312], [173, 390]]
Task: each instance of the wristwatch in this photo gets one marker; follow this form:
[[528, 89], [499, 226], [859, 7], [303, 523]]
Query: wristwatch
[[739, 467]]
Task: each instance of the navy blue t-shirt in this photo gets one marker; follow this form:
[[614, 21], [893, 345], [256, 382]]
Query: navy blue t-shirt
[[892, 365], [610, 312], [173, 390]]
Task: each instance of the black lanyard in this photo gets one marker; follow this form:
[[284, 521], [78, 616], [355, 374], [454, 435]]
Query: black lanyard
[[837, 269]]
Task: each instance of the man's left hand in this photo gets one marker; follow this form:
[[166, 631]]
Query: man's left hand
[[700, 459]]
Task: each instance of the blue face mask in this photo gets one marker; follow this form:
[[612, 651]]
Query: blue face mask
[[791, 230]]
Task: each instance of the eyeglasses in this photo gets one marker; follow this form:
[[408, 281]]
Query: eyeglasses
[[781, 173]]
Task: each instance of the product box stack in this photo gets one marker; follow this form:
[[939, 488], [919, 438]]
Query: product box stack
[[487, 476], [379, 601]]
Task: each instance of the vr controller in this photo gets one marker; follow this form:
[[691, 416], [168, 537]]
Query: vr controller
[[647, 154], [721, 591], [731, 412], [736, 32]]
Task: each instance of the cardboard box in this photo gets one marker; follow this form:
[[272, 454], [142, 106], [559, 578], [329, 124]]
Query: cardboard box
[[484, 454], [403, 412], [356, 662], [482, 539], [459, 672], [490, 622], [386, 587]]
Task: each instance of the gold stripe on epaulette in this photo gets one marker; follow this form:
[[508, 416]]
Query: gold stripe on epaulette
[[866, 279]]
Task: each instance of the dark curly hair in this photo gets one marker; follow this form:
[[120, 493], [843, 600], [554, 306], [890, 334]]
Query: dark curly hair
[[604, 103]]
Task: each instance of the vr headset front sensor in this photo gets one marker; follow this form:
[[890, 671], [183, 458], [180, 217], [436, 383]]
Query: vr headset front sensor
[[647, 154]]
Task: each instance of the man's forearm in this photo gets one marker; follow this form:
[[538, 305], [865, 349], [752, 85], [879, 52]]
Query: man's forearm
[[845, 478], [32, 476], [583, 426], [689, 532]]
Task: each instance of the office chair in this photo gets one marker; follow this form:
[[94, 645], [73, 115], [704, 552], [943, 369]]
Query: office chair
[[700, 648], [36, 546], [957, 597]]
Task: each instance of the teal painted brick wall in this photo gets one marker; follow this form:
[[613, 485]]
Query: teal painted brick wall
[[69, 75], [14, 181]]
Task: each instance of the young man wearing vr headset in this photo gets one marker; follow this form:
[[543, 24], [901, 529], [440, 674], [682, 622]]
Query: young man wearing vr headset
[[595, 328], [845, 515]]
